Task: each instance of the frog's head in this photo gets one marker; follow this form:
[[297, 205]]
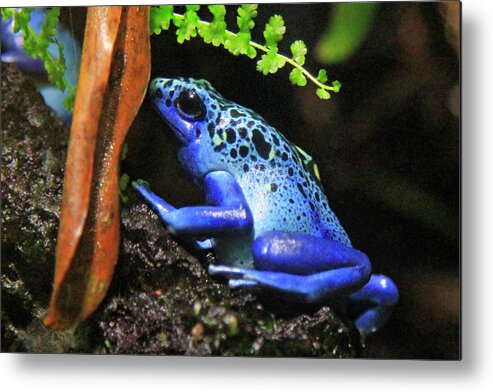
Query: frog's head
[[203, 121], [183, 104]]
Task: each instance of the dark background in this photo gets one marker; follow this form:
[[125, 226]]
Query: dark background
[[387, 147]]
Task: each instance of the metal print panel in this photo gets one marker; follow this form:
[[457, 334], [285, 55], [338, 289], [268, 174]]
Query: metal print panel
[[273, 180]]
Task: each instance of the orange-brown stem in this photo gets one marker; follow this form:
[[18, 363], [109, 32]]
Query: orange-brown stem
[[114, 74]]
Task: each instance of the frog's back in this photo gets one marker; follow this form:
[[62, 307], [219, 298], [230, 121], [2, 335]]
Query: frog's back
[[280, 181]]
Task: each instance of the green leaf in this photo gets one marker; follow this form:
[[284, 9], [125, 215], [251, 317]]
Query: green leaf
[[219, 11], [160, 18], [21, 19], [336, 85], [122, 186], [246, 14], [299, 50], [215, 32], [240, 44], [270, 62], [322, 76], [188, 26], [297, 78], [7, 13], [251, 52], [193, 7], [124, 180], [124, 152], [48, 29], [69, 100], [322, 93], [274, 31]]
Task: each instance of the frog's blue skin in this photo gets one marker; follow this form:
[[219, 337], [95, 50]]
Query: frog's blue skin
[[13, 52], [267, 216]]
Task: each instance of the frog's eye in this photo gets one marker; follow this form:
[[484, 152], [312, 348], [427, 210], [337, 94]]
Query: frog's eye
[[190, 106]]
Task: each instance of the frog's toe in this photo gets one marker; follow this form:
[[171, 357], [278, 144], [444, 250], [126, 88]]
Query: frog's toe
[[204, 244], [239, 283], [236, 275], [227, 271], [141, 185]]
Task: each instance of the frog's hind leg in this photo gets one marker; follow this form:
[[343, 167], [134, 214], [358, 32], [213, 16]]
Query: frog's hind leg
[[313, 269], [303, 266], [382, 293]]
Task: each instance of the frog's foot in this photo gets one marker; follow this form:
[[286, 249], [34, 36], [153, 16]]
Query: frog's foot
[[164, 210], [236, 275], [382, 292], [306, 288]]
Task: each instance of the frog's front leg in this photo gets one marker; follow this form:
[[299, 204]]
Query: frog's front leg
[[314, 269], [228, 211]]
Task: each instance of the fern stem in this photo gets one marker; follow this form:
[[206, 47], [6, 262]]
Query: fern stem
[[294, 64], [263, 48]]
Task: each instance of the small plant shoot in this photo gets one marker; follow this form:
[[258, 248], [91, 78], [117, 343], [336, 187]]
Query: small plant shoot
[[189, 25]]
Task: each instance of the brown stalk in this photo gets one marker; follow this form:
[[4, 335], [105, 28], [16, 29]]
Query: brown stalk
[[113, 79]]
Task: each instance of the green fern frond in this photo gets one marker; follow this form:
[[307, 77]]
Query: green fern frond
[[216, 33]]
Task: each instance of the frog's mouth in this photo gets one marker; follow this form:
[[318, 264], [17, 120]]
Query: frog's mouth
[[180, 134], [180, 128]]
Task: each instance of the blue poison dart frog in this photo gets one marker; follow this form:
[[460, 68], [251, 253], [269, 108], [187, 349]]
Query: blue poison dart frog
[[266, 215], [13, 52]]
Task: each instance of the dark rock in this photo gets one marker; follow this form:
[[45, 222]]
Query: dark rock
[[161, 301], [34, 144]]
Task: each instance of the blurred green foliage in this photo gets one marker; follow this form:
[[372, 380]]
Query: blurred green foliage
[[346, 32]]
